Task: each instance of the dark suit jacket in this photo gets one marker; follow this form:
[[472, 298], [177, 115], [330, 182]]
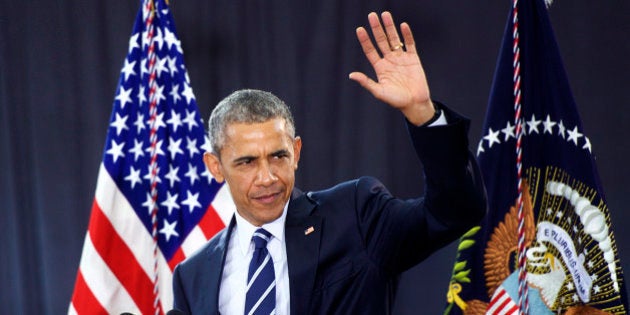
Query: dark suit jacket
[[363, 237]]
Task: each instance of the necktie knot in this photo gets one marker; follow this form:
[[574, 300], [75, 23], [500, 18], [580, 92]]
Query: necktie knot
[[260, 238]]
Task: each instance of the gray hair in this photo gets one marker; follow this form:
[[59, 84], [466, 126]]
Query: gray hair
[[246, 106]]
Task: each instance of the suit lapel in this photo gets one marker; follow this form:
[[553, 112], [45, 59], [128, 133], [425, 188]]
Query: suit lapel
[[303, 234], [216, 260]]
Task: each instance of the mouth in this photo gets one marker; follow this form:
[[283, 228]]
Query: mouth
[[267, 198]]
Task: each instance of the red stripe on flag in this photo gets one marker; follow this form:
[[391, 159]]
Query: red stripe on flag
[[120, 260], [177, 258], [211, 223], [83, 301]]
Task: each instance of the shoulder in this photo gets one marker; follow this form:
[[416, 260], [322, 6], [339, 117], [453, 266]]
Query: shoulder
[[215, 246], [349, 190]]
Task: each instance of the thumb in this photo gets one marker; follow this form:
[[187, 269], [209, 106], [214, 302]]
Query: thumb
[[364, 81]]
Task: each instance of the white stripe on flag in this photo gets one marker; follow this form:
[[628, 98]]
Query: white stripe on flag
[[119, 212], [224, 205], [194, 241], [103, 283]]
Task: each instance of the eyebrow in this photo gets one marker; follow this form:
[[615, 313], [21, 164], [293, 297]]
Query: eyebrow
[[252, 157]]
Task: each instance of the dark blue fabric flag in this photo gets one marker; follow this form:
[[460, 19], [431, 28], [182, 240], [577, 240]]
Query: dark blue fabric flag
[[571, 254]]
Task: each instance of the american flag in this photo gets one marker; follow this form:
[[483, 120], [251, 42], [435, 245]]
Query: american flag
[[155, 202], [571, 257]]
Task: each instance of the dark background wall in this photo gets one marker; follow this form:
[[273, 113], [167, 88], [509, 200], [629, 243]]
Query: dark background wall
[[60, 61]]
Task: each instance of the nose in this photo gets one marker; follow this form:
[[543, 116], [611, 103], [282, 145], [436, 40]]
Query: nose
[[266, 175]]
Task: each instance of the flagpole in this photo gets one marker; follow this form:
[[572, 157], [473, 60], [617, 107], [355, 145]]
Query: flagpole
[[523, 302], [149, 8]]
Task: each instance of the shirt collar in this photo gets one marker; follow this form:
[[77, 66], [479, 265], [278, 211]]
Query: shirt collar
[[245, 230]]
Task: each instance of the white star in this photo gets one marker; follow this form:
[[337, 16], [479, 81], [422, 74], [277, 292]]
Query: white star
[[174, 147], [124, 96], [133, 42], [192, 174], [587, 145], [548, 125], [191, 145], [116, 150], [133, 177], [575, 297], [575, 229], [594, 276], [175, 93], [559, 214], [508, 131], [590, 264], [136, 150], [549, 211], [596, 289], [192, 201], [175, 120], [143, 66], [570, 286], [171, 39], [159, 122], [139, 123], [169, 230], [128, 69], [170, 202], [160, 66], [157, 38], [157, 174], [172, 175], [492, 137], [206, 144], [158, 148], [480, 148], [120, 124], [533, 124], [207, 175], [172, 65], [159, 94], [561, 129], [188, 93], [141, 97], [190, 120], [574, 135], [148, 203]]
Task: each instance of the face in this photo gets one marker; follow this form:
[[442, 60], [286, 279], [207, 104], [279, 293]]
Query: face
[[258, 161]]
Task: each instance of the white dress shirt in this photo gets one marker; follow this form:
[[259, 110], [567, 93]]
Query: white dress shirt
[[240, 249]]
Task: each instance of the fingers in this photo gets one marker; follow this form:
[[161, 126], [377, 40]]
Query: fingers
[[408, 37], [366, 44], [390, 29], [379, 34]]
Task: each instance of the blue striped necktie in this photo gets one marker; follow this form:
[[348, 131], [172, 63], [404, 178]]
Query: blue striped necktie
[[261, 280]]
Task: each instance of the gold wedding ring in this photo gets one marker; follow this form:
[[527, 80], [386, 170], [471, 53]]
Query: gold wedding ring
[[399, 46]]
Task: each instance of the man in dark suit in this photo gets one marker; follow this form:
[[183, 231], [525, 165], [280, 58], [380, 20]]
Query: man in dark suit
[[340, 250]]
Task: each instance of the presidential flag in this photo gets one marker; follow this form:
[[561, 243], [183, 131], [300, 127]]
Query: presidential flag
[[570, 259], [155, 202]]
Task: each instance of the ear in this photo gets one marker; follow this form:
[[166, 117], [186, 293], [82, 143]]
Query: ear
[[214, 166], [297, 148]]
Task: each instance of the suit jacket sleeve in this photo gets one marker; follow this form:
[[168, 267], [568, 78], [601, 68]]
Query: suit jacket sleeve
[[399, 234]]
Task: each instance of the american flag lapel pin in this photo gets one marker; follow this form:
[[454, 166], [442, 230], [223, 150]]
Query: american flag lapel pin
[[309, 230]]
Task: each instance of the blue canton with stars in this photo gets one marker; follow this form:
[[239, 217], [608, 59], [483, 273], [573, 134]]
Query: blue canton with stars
[[185, 188]]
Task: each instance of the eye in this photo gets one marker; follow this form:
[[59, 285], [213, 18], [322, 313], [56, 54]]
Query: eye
[[280, 155], [244, 161]]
